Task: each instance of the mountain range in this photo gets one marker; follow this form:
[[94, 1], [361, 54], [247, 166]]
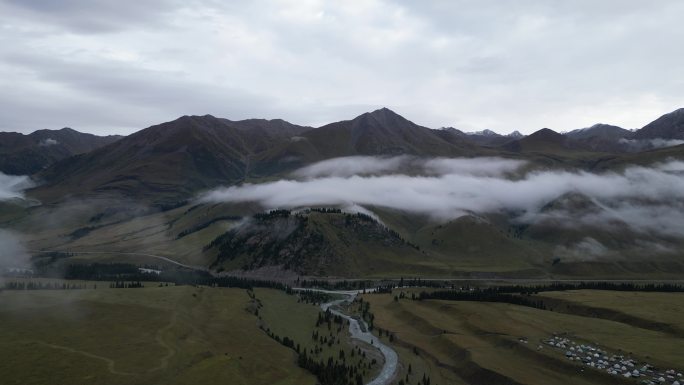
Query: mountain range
[[27, 154], [138, 194], [174, 160]]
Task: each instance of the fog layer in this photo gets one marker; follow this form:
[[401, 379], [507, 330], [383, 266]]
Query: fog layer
[[649, 200], [11, 186]]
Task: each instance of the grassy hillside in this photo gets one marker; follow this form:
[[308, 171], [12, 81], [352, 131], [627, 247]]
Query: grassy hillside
[[318, 243]]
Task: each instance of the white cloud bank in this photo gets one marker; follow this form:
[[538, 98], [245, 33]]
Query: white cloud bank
[[12, 186], [649, 200]]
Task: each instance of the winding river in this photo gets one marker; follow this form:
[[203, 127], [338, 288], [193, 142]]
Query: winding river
[[389, 369]]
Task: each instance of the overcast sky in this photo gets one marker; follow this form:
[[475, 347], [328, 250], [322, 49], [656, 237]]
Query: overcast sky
[[104, 67]]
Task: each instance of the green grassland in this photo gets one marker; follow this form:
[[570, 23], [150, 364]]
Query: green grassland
[[473, 342], [165, 335]]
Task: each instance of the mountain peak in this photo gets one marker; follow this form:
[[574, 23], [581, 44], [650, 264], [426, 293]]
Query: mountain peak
[[485, 132], [668, 126], [382, 118], [383, 113], [545, 132]]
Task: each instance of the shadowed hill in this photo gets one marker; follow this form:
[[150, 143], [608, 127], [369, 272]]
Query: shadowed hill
[[487, 138], [318, 243], [543, 141], [173, 158], [602, 137], [27, 154]]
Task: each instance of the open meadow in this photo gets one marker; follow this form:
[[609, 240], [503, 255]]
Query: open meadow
[[151, 335]]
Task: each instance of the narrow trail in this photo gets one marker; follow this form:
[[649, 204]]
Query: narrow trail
[[160, 257], [389, 369], [170, 351], [110, 363]]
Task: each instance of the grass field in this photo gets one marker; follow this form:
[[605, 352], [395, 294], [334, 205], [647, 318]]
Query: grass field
[[154, 335], [480, 343]]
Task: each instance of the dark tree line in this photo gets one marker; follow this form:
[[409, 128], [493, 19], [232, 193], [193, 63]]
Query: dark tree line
[[43, 286], [272, 215], [179, 276], [330, 372], [126, 285], [326, 210], [206, 224], [313, 297], [339, 285], [482, 296], [49, 257], [616, 286]]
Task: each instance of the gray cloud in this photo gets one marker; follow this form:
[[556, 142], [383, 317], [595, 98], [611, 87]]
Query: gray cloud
[[12, 252], [48, 142], [100, 66], [91, 16], [12, 186], [353, 165], [588, 249], [648, 200]]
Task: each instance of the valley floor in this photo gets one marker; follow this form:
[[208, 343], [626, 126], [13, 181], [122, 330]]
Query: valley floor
[[192, 334]]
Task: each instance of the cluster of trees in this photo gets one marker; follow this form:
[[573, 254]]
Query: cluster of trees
[[331, 372], [313, 297], [366, 315], [167, 206], [272, 215], [104, 272], [49, 257], [417, 282], [180, 276], [126, 285], [82, 232], [328, 318], [44, 286], [521, 294], [384, 286], [269, 248], [351, 219], [482, 296], [206, 224], [326, 210]]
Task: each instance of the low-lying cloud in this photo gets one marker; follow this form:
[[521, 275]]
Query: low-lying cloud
[[372, 165], [12, 186], [13, 255], [646, 200], [588, 249], [649, 144], [48, 142]]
